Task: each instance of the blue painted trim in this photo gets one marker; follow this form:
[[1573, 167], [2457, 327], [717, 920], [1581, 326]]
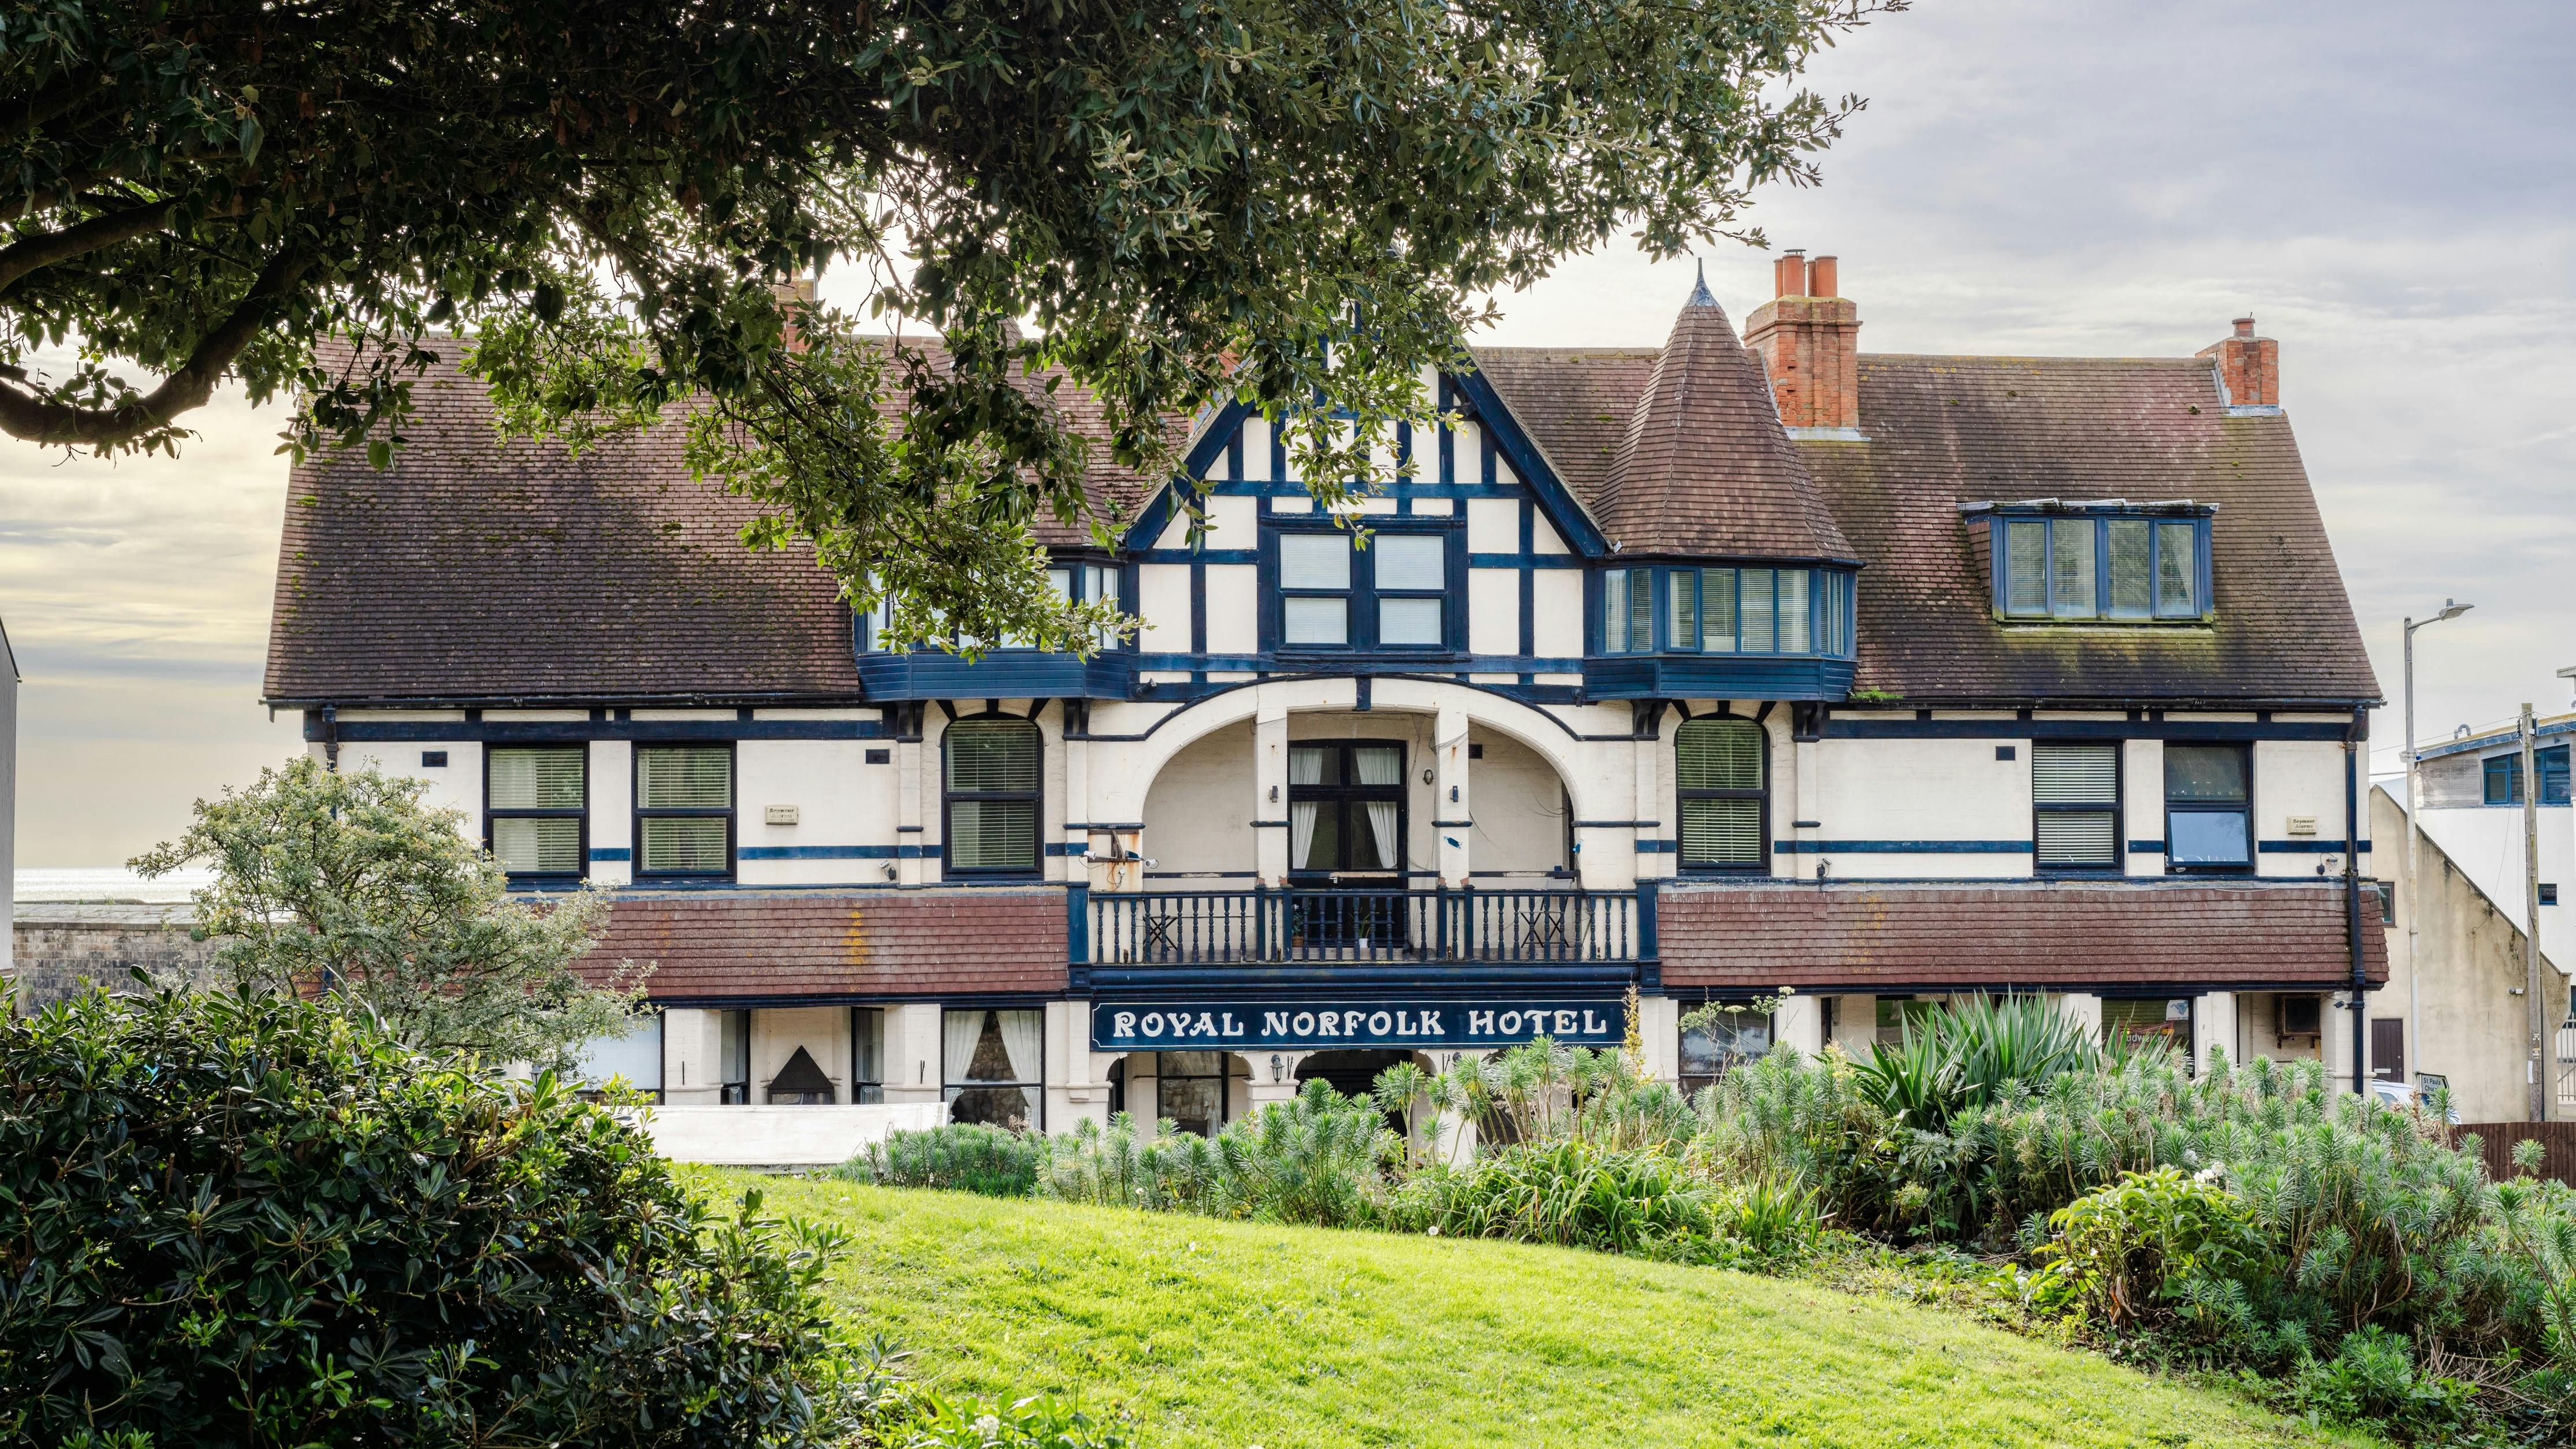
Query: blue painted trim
[[1001, 674], [1523, 560], [1200, 555], [1063, 848], [1902, 847], [611, 852], [2146, 847], [833, 852], [575, 732], [1157, 512], [1844, 727], [1716, 676], [1496, 421], [2307, 847], [1658, 847]]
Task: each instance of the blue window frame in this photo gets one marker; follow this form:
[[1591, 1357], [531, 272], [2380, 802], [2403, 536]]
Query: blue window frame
[[1076, 581], [2107, 566], [1727, 610], [2209, 808], [1394, 591], [2504, 777]]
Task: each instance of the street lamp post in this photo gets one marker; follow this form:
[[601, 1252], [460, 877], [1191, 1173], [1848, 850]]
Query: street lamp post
[[2414, 827]]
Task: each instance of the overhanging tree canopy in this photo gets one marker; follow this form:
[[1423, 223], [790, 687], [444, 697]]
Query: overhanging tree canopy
[[1276, 200]]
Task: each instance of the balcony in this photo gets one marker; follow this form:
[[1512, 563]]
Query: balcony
[[1343, 934]]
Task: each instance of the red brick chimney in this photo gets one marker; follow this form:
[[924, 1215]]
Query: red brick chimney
[[2249, 368], [1809, 341], [796, 290]]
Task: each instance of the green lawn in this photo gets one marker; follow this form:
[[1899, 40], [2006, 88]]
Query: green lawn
[[1221, 1336]]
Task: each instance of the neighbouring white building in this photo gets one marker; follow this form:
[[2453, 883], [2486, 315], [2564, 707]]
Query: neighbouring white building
[[1732, 665], [2472, 997]]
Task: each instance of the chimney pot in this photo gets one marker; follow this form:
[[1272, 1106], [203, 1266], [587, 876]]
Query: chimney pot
[[1821, 281], [2244, 326], [1789, 274]]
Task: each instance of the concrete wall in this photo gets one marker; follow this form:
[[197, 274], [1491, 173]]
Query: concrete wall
[[2474, 1026]]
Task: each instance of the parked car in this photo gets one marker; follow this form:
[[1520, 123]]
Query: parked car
[[2412, 1094]]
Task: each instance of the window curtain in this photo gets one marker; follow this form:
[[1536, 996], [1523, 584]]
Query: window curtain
[[1020, 1030], [1305, 767], [1382, 767], [961, 1030]]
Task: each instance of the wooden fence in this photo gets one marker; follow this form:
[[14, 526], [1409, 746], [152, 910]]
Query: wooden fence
[[2557, 1139]]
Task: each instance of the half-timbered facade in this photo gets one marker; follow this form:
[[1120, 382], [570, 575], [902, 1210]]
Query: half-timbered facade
[[1729, 667]]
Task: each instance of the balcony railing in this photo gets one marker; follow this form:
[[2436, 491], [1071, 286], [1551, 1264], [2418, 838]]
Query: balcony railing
[[1297, 926]]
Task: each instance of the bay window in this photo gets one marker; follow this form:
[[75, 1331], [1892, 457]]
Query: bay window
[[1727, 610]]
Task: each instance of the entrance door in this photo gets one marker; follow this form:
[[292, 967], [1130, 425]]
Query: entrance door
[[1346, 834], [2388, 1048]]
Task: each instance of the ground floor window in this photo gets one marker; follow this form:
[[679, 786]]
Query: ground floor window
[[867, 1054], [2142, 1023], [1189, 1091], [993, 1068], [632, 1059], [1710, 1050], [1898, 1015], [733, 1058]]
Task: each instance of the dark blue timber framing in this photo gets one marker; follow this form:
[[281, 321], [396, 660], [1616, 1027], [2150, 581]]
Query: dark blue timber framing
[[1000, 674], [1717, 676], [1870, 727], [574, 732]]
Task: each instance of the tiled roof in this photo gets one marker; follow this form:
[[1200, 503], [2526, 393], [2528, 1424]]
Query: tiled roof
[[1949, 430], [478, 568], [1856, 936], [745, 944], [1702, 466]]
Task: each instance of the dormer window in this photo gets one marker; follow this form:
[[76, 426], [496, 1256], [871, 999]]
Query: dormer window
[[2107, 562], [1730, 610]]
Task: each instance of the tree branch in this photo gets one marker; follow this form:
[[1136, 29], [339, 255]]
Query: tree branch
[[37, 419], [46, 248]]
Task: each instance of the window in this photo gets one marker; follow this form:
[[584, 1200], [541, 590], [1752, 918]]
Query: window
[[2075, 796], [1719, 766], [867, 1055], [1189, 1091], [2097, 566], [1708, 1052], [2209, 808], [992, 1067], [1900, 1017], [535, 809], [1080, 582], [1393, 594], [632, 1058], [2141, 1023], [1346, 808], [1728, 611], [683, 809], [1628, 611], [733, 1058], [2504, 777], [992, 773]]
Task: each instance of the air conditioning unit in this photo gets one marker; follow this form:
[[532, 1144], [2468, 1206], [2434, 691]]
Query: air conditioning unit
[[2297, 1016]]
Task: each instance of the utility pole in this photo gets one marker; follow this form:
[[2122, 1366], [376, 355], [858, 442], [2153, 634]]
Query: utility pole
[[2532, 997], [2414, 827]]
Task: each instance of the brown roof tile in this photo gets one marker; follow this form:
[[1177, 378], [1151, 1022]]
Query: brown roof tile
[[1949, 430], [1705, 467], [861, 943], [1856, 936]]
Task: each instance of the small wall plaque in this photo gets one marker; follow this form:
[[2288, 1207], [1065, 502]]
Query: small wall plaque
[[2303, 825], [779, 814], [433, 759]]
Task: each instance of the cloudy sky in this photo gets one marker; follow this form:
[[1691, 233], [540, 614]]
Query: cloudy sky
[[2389, 188]]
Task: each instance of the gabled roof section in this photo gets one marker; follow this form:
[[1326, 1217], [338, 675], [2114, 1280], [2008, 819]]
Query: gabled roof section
[[1705, 467], [1942, 431]]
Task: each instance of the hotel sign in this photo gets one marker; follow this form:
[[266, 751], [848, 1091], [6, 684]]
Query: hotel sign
[[1355, 1021]]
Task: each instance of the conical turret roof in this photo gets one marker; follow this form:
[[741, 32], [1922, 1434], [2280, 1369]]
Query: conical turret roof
[[1705, 467]]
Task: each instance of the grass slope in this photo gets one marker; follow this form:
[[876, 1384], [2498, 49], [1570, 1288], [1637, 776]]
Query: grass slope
[[1225, 1335]]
